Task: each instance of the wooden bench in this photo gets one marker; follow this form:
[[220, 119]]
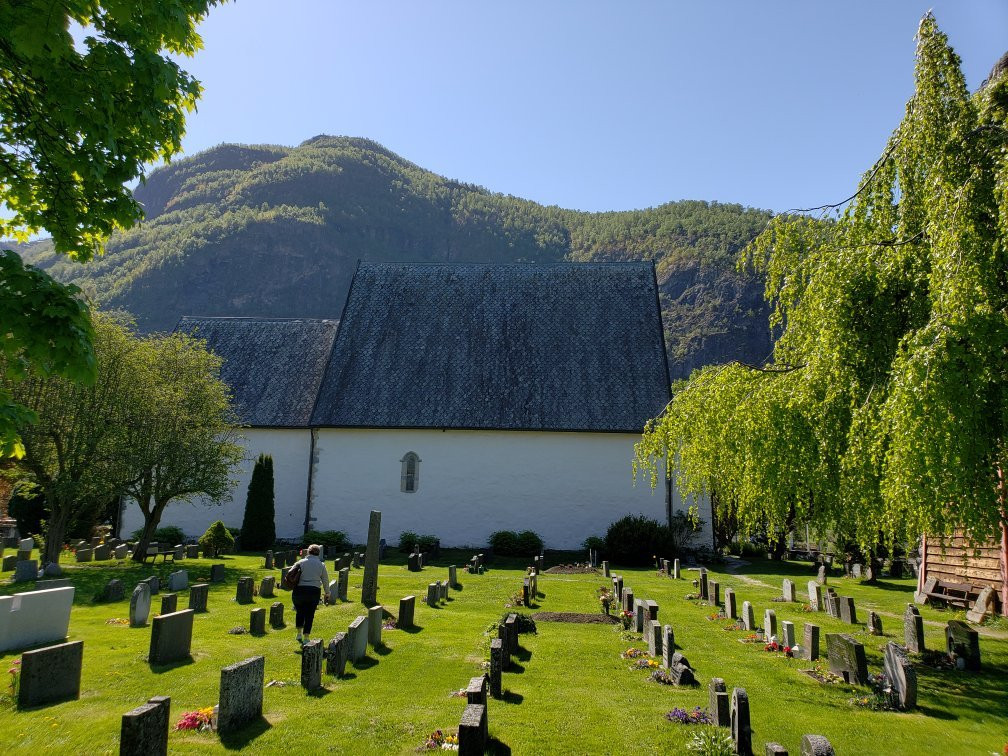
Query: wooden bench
[[946, 592], [153, 555]]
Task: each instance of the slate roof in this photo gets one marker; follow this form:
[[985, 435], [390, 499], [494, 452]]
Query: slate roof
[[273, 365], [560, 347]]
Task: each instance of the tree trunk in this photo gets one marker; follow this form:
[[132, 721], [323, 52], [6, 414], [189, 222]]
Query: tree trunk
[[151, 519], [55, 528]]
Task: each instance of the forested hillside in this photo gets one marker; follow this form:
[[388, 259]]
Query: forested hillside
[[277, 231]]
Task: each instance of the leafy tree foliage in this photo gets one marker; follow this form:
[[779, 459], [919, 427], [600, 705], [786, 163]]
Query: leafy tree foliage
[[258, 530], [217, 539], [78, 121], [883, 411]]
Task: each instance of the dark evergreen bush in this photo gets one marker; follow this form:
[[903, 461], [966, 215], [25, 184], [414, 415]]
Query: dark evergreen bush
[[407, 540], [170, 534], [509, 543], [217, 538], [258, 530], [331, 539], [635, 540]]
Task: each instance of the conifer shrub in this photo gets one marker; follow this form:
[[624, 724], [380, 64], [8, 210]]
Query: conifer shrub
[[509, 543], [635, 540], [258, 530], [217, 539]]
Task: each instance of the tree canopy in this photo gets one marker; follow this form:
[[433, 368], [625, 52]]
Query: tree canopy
[[882, 412]]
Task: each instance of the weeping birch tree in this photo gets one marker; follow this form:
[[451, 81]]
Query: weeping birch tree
[[882, 412]]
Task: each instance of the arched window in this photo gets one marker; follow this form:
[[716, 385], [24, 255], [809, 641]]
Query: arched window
[[410, 472]]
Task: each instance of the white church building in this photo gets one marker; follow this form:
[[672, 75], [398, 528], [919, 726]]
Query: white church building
[[457, 399]]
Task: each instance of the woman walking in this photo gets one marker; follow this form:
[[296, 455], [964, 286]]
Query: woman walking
[[308, 591]]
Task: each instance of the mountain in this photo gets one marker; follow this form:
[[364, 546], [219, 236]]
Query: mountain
[[277, 231]]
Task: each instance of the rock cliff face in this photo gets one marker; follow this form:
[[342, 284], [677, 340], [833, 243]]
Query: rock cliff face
[[277, 231]]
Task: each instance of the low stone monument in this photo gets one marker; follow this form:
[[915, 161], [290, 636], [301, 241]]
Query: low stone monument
[[144, 730], [375, 617], [243, 591], [257, 621], [847, 658], [963, 644], [169, 603], [241, 694], [913, 629], [311, 665], [719, 705], [198, 594], [171, 637], [51, 674], [901, 675], [407, 606], [336, 655], [33, 618], [276, 617]]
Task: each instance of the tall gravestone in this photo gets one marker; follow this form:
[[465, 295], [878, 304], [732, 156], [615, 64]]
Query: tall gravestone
[[266, 587], [787, 634], [654, 637], [496, 666], [731, 610], [901, 675], [452, 576], [311, 665], [140, 604], [788, 590], [407, 606], [811, 642], [343, 584], [369, 591], [769, 623], [913, 630], [375, 616], [198, 597], [815, 596], [144, 730], [848, 613], [713, 593], [336, 655], [668, 645], [748, 618], [358, 634], [719, 705], [676, 574], [241, 694], [741, 728], [703, 584]]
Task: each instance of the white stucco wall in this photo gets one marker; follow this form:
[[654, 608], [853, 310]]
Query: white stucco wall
[[290, 450], [563, 486]]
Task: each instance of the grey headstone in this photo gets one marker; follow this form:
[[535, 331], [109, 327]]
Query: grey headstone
[[26, 569], [169, 603], [748, 619], [332, 591], [50, 674], [901, 675], [216, 573], [504, 636], [336, 655], [85, 555], [787, 636], [983, 605], [741, 729], [472, 735], [816, 745], [788, 587], [433, 594], [140, 605], [668, 645], [619, 587], [122, 552], [241, 694], [144, 730], [343, 584], [155, 584], [719, 705], [628, 599], [675, 570], [769, 623], [192, 551], [821, 576], [847, 611], [605, 569], [375, 617], [847, 658], [267, 586], [874, 624], [512, 625], [731, 609], [268, 564], [243, 592], [198, 597], [963, 642], [276, 617], [257, 621], [9, 563], [640, 611], [776, 749], [171, 637], [369, 592], [311, 665], [654, 637], [913, 629], [811, 642], [713, 593], [407, 607], [452, 576], [815, 596], [178, 580], [496, 666], [113, 591], [856, 571], [358, 633], [102, 553]]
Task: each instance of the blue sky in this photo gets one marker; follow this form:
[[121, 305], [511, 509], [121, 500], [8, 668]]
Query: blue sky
[[588, 105]]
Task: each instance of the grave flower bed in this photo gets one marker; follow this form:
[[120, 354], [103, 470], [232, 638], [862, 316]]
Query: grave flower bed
[[752, 638], [691, 597], [644, 664], [662, 676], [718, 615], [440, 741], [776, 648], [626, 617], [735, 625], [15, 673], [682, 716], [821, 673], [633, 653], [200, 720]]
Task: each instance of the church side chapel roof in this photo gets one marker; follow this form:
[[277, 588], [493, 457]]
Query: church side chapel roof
[[273, 365], [551, 347]]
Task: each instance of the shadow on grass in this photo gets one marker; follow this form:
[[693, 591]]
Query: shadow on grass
[[318, 692], [522, 654], [382, 650], [412, 629], [515, 668], [159, 668], [509, 696], [365, 662], [496, 748], [235, 741]]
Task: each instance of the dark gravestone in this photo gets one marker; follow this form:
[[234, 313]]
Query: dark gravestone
[[9, 563], [680, 670], [811, 642], [719, 705], [628, 600], [144, 731], [741, 729], [432, 594], [502, 635], [407, 607], [269, 561], [618, 585], [472, 735], [25, 569], [496, 666], [476, 691], [382, 548], [452, 576], [171, 637], [874, 624], [526, 592], [901, 676], [355, 562], [413, 562], [279, 560], [512, 625], [847, 612], [216, 573], [703, 584], [192, 551], [267, 586], [311, 665], [654, 637], [102, 553], [913, 630], [816, 745], [369, 592], [154, 582], [714, 593], [676, 574], [668, 645], [257, 621], [198, 597], [343, 584], [963, 643], [169, 603], [847, 658], [276, 614], [337, 654], [241, 694], [50, 674], [605, 569], [243, 593]]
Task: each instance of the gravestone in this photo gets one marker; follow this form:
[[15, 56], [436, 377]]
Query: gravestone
[[444, 590], [741, 729], [35, 617], [821, 576], [496, 666], [787, 634], [332, 592], [811, 642], [619, 587], [336, 655], [375, 617], [121, 552], [476, 690], [8, 563], [178, 580], [241, 694], [279, 560], [85, 555], [769, 623], [358, 634], [269, 561], [776, 749], [512, 625], [847, 612], [102, 553], [714, 593], [651, 609], [25, 569], [963, 643], [198, 597], [243, 592], [668, 645], [503, 634], [901, 675], [748, 619], [192, 551], [343, 584], [311, 665], [155, 584], [675, 570], [628, 600], [847, 658], [216, 573], [267, 586], [369, 592], [703, 584], [983, 605], [355, 561], [913, 630], [815, 596], [639, 610], [731, 610], [816, 745], [144, 730], [171, 637], [413, 562], [605, 569], [276, 617], [433, 593], [113, 591], [654, 637], [169, 603], [407, 606], [874, 624], [27, 544], [452, 576], [788, 587], [257, 621], [856, 571], [719, 707], [140, 604], [51, 674], [472, 734]]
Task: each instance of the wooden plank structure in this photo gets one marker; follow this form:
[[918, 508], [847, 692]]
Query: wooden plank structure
[[955, 572]]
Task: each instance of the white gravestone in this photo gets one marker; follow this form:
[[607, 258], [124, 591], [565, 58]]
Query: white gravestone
[[30, 619]]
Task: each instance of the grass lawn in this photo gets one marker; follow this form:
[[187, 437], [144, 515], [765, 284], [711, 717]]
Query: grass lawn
[[569, 692]]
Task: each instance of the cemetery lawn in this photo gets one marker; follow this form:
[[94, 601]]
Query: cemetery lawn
[[569, 692]]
